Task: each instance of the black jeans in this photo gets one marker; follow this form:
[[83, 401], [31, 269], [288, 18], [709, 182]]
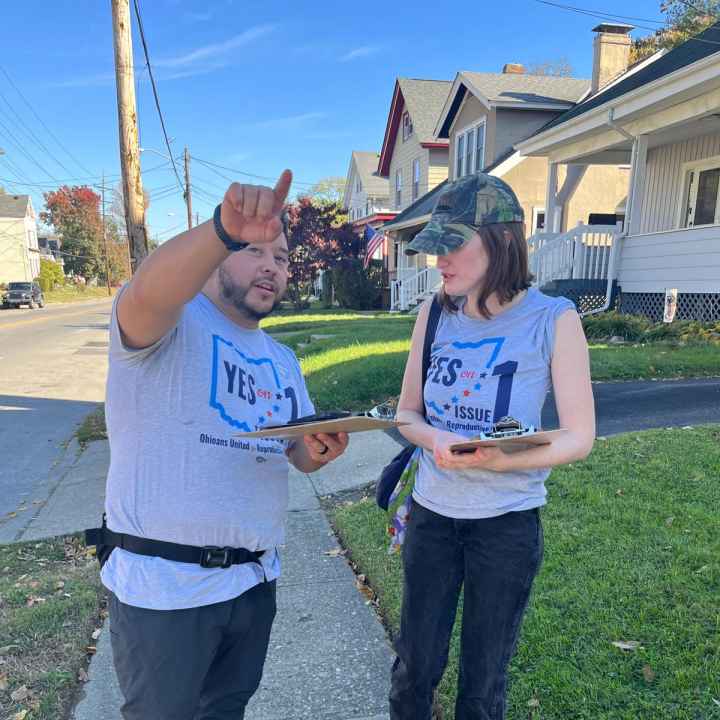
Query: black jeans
[[202, 663], [496, 559]]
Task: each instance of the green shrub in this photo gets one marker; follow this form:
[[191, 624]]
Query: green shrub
[[51, 275], [327, 289], [615, 324], [354, 289]]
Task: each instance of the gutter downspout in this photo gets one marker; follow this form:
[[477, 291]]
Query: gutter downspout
[[621, 232]]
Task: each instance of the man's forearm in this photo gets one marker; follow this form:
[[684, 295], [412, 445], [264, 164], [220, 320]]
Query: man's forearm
[[178, 270]]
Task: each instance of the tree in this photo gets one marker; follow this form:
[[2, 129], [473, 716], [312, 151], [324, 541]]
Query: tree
[[329, 191], [51, 274], [318, 239], [684, 20], [74, 213], [551, 68]]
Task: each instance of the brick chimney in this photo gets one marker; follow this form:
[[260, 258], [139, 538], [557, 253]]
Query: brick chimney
[[513, 69], [611, 53]]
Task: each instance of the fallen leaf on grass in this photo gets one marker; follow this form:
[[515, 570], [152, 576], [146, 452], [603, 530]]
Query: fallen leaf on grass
[[20, 694], [619, 491], [96, 633], [533, 702], [82, 675], [627, 644], [60, 584], [3, 682], [335, 552], [20, 715], [34, 601], [669, 521], [648, 673], [717, 702], [364, 589]]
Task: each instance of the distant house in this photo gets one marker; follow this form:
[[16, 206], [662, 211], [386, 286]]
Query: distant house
[[367, 195], [413, 158], [19, 252], [482, 117], [661, 118]]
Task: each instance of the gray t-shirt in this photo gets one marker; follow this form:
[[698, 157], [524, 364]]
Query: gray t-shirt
[[179, 473], [482, 370]]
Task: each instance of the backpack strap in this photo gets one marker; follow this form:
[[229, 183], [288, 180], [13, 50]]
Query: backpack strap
[[430, 330]]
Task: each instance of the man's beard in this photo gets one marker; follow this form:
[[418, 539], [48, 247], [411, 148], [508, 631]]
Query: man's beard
[[235, 295]]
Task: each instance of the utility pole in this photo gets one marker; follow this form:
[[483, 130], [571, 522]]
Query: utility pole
[[188, 194], [197, 218], [127, 121], [105, 242]]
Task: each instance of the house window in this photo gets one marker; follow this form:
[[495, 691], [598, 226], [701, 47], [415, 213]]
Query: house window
[[416, 180], [702, 204], [470, 150], [538, 220], [407, 126], [460, 157], [398, 188]]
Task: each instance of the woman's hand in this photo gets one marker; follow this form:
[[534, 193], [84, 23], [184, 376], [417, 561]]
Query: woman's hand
[[484, 458]]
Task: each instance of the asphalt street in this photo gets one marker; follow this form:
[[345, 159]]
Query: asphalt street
[[53, 363]]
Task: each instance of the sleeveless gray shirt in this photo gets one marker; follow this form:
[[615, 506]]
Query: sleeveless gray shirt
[[482, 370]]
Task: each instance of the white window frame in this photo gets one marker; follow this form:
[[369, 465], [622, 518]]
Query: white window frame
[[688, 198], [407, 128], [398, 187], [415, 179], [474, 127], [535, 212]]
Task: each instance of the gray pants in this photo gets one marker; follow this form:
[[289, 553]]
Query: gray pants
[[203, 663]]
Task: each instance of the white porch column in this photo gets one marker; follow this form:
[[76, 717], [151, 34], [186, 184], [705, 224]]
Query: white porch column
[[636, 192], [551, 208]]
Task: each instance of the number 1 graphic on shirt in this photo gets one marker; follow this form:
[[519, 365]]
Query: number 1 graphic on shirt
[[506, 371], [290, 394]]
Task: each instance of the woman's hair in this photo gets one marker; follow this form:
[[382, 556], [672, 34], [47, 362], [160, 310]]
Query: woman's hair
[[508, 273]]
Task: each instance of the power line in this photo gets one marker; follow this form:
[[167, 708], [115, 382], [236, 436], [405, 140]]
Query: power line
[[13, 140], [212, 165], [154, 88], [40, 120]]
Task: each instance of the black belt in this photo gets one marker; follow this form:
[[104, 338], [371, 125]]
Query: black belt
[[209, 556]]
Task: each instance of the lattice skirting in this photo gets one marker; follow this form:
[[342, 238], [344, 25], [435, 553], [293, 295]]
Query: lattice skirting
[[703, 307]]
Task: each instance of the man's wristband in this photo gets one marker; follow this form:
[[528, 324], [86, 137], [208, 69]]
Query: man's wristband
[[221, 232]]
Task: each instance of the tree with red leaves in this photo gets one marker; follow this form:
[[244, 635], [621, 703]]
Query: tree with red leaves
[[319, 238], [74, 213]]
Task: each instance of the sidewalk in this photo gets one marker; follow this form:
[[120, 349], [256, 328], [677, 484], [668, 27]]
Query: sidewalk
[[329, 657]]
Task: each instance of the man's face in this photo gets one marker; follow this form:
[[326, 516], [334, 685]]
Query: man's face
[[254, 280]]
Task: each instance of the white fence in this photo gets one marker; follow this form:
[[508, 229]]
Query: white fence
[[586, 252]]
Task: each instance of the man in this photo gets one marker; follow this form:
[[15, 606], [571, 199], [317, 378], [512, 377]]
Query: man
[[194, 511]]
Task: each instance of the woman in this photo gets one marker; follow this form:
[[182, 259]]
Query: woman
[[474, 519]]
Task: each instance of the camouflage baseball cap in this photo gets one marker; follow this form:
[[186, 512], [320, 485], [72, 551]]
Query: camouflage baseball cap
[[463, 206]]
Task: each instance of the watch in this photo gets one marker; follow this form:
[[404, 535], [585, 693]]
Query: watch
[[221, 232]]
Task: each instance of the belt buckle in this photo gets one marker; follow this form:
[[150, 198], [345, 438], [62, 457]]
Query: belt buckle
[[216, 557]]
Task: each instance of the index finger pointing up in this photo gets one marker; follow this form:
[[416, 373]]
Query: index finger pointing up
[[282, 188]]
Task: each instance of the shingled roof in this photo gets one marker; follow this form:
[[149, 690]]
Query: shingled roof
[[424, 100], [13, 206], [366, 164]]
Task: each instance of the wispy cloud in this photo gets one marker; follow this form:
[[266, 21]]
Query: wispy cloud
[[216, 50], [201, 61], [290, 121], [360, 52]]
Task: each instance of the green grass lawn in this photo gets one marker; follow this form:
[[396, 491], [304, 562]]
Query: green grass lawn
[[71, 293], [50, 605], [362, 363], [632, 552]]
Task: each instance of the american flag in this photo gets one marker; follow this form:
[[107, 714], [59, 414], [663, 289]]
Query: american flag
[[374, 240]]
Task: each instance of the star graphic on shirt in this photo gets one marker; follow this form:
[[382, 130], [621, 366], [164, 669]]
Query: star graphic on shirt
[[269, 413], [478, 386], [455, 400], [278, 396], [482, 376], [446, 406], [276, 408], [466, 393], [261, 420]]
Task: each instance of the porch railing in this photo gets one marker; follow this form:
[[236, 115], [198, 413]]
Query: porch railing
[[411, 288], [586, 252]]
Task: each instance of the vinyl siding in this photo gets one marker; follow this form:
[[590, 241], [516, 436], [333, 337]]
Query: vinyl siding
[[664, 181]]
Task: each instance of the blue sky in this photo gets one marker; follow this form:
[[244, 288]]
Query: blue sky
[[255, 86]]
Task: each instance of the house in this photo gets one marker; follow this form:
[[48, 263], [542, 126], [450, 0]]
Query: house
[[19, 253], [662, 118], [412, 158], [483, 117], [367, 196]]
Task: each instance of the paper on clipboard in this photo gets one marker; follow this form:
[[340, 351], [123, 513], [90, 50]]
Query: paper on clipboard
[[353, 424], [511, 444]]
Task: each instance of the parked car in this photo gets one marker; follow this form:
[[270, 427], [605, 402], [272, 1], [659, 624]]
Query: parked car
[[23, 293]]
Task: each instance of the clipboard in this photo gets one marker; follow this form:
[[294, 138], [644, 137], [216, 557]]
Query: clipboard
[[511, 444], [345, 423]]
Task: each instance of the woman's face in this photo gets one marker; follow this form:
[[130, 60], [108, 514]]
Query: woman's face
[[463, 271]]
